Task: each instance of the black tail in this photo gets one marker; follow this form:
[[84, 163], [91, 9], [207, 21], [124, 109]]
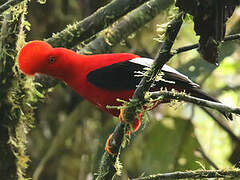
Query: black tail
[[195, 92]]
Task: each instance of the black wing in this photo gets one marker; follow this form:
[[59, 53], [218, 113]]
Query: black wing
[[124, 76]]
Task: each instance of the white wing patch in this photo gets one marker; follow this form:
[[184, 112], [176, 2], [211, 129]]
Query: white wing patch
[[170, 69], [148, 63], [143, 61]]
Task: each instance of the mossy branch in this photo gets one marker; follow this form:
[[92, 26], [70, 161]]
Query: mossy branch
[[8, 4], [194, 100], [102, 18], [198, 174], [109, 166]]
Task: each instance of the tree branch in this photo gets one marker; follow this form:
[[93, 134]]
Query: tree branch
[[194, 46], [108, 166], [8, 4], [198, 174], [125, 27], [194, 100], [93, 24]]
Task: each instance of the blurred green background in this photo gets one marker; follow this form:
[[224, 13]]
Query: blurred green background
[[70, 134]]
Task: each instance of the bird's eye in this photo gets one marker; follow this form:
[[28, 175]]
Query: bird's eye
[[51, 59]]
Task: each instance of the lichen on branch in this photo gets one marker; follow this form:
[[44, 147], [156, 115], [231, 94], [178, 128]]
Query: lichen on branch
[[197, 174], [15, 97]]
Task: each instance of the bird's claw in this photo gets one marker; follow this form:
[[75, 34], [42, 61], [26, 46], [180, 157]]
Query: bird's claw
[[108, 146], [135, 124]]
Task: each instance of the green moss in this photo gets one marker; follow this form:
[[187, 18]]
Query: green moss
[[16, 96], [42, 1]]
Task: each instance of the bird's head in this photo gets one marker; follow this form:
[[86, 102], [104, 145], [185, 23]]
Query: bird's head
[[40, 57]]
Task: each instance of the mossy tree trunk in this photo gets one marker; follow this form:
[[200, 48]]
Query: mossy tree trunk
[[13, 98]]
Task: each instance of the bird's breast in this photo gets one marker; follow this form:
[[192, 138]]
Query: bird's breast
[[100, 97]]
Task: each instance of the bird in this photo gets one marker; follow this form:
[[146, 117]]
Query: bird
[[103, 78]]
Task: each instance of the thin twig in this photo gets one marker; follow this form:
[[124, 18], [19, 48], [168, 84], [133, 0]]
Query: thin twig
[[232, 88], [227, 88], [194, 100], [8, 4], [194, 46], [232, 37], [198, 174], [185, 48], [204, 155], [223, 126]]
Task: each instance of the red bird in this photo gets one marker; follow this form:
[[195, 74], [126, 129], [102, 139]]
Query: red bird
[[103, 78]]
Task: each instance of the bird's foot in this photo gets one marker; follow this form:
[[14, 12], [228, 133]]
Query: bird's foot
[[108, 147], [136, 123]]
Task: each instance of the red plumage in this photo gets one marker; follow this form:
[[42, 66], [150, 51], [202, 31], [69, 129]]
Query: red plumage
[[98, 96]]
